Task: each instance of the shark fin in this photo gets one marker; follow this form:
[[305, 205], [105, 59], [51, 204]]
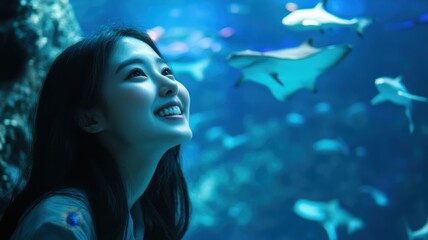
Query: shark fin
[[378, 99], [361, 24], [309, 42], [334, 203], [412, 97], [311, 86], [239, 82], [409, 117], [409, 232], [331, 230], [314, 90], [399, 78], [198, 69], [321, 4], [309, 22], [275, 76]]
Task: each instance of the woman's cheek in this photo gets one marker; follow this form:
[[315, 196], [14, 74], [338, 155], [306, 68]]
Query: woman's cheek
[[135, 96], [132, 104]]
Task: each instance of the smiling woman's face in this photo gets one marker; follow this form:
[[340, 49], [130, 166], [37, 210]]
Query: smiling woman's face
[[138, 87]]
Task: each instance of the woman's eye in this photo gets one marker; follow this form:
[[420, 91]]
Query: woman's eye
[[167, 71], [136, 73]]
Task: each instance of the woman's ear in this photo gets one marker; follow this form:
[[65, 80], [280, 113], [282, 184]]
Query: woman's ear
[[89, 121]]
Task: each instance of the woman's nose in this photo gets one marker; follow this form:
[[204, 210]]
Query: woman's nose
[[168, 87]]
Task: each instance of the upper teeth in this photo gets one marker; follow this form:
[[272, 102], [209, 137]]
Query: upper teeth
[[174, 110]]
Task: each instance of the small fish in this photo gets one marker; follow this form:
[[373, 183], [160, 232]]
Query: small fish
[[238, 8], [295, 119], [421, 233], [330, 146], [228, 141], [329, 214], [380, 198], [422, 20], [322, 108], [215, 133], [195, 68], [285, 71], [200, 118], [393, 90], [318, 18]]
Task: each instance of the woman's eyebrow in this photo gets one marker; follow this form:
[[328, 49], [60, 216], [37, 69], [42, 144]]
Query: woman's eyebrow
[[135, 60], [129, 62], [160, 61]]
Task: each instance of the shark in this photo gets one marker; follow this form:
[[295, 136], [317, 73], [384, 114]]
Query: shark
[[421, 233], [393, 90], [329, 214], [378, 196], [287, 70], [318, 18], [196, 69]]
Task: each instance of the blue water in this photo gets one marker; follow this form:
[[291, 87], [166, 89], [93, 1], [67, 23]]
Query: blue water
[[248, 191]]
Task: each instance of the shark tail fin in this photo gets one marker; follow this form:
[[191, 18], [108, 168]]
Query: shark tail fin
[[409, 232], [361, 24], [409, 117], [199, 68]]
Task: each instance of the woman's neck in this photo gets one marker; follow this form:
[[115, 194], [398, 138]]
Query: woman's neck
[[137, 169]]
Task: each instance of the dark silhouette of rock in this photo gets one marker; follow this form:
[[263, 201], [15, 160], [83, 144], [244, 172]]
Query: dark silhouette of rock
[[32, 34]]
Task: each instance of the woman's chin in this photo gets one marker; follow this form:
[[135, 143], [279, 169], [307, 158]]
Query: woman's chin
[[185, 136]]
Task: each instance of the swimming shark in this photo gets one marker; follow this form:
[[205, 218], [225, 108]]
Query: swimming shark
[[318, 18], [378, 196], [393, 90], [329, 214], [285, 71], [195, 68], [421, 233]]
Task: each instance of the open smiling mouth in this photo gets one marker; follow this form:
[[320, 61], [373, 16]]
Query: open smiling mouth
[[169, 111]]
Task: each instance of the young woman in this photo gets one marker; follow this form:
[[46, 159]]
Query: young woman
[[106, 146]]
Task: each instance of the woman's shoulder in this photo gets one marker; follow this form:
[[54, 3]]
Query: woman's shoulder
[[63, 214]]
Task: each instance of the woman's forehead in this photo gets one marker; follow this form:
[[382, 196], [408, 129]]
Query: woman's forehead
[[129, 47]]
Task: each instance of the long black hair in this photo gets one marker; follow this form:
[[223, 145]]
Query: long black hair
[[63, 155]]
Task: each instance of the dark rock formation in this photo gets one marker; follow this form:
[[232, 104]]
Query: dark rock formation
[[32, 33]]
